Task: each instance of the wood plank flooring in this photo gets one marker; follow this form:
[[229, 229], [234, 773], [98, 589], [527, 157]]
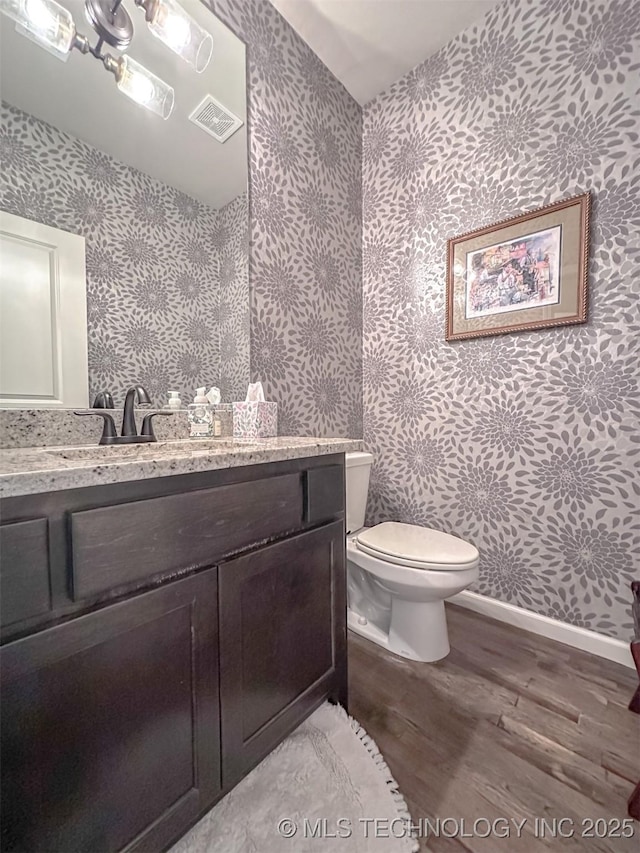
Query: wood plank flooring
[[509, 727]]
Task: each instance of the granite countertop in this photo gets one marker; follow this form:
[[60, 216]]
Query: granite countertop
[[32, 470]]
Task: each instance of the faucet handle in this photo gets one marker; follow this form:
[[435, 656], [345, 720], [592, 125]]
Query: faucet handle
[[109, 433], [147, 425]]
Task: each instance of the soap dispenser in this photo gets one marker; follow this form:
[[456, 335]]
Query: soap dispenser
[[214, 398], [174, 400], [200, 416]]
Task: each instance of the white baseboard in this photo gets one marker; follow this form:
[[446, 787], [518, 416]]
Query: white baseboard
[[571, 635]]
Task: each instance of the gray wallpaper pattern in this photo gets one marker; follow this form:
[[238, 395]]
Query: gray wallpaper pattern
[[167, 276], [232, 244], [525, 444], [305, 138]]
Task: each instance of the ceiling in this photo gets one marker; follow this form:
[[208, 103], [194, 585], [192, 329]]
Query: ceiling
[[79, 97], [369, 44]]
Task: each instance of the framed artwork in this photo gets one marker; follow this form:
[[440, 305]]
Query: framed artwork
[[528, 272]]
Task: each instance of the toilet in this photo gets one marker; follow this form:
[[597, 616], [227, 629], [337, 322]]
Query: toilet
[[398, 575]]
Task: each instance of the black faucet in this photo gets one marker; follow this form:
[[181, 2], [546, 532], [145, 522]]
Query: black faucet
[[129, 432], [103, 400], [136, 392]]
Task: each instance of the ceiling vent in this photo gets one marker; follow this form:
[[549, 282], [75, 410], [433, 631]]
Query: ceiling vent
[[215, 119]]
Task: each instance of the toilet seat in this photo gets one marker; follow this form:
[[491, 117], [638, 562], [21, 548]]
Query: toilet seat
[[417, 547]]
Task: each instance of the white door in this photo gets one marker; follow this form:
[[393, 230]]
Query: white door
[[43, 316]]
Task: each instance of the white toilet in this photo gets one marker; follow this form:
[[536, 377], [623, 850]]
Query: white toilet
[[399, 575]]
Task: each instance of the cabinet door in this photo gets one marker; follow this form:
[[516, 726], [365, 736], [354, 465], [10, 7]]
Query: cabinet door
[[282, 641], [110, 724]]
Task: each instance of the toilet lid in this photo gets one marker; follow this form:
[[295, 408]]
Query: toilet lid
[[410, 545]]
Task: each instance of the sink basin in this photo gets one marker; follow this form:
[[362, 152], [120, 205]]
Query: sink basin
[[117, 452]]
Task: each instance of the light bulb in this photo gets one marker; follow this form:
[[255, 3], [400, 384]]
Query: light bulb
[[39, 14], [178, 32], [181, 33], [143, 87], [47, 22]]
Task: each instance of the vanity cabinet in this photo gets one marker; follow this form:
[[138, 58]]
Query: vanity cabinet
[[279, 652], [189, 624], [110, 724]]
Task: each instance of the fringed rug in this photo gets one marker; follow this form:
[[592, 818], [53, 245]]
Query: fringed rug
[[325, 788]]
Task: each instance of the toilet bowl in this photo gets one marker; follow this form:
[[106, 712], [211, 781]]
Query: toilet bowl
[[399, 575]]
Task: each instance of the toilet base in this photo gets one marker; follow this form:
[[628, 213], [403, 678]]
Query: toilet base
[[418, 630]]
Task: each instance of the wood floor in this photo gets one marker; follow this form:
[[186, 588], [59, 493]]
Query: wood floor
[[509, 726]]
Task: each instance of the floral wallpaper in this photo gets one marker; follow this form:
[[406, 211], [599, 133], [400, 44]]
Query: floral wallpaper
[[305, 139], [167, 277], [525, 444], [232, 240]]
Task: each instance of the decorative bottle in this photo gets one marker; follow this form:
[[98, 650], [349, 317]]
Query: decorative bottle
[[214, 398], [200, 416]]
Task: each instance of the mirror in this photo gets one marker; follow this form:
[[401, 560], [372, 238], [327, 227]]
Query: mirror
[[122, 232]]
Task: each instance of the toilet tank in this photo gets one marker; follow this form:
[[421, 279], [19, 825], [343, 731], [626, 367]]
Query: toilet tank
[[358, 468]]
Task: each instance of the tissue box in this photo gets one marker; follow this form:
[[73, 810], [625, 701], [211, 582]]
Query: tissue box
[[255, 420]]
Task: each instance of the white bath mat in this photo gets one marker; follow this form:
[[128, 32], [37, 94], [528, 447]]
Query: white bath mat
[[325, 788]]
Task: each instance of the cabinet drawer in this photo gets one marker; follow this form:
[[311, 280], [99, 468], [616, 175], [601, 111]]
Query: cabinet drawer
[[126, 543], [24, 570]]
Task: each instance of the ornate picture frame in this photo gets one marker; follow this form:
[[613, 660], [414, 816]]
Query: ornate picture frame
[[523, 273]]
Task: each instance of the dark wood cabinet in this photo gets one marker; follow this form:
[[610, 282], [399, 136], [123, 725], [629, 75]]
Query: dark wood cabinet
[[160, 638], [282, 641], [24, 558], [183, 531], [110, 724]]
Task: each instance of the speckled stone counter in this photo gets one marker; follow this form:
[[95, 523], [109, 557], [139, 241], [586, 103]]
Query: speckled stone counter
[[51, 427], [32, 470]]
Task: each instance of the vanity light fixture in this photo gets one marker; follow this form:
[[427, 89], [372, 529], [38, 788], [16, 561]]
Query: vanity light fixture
[[169, 22], [52, 26], [45, 21]]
